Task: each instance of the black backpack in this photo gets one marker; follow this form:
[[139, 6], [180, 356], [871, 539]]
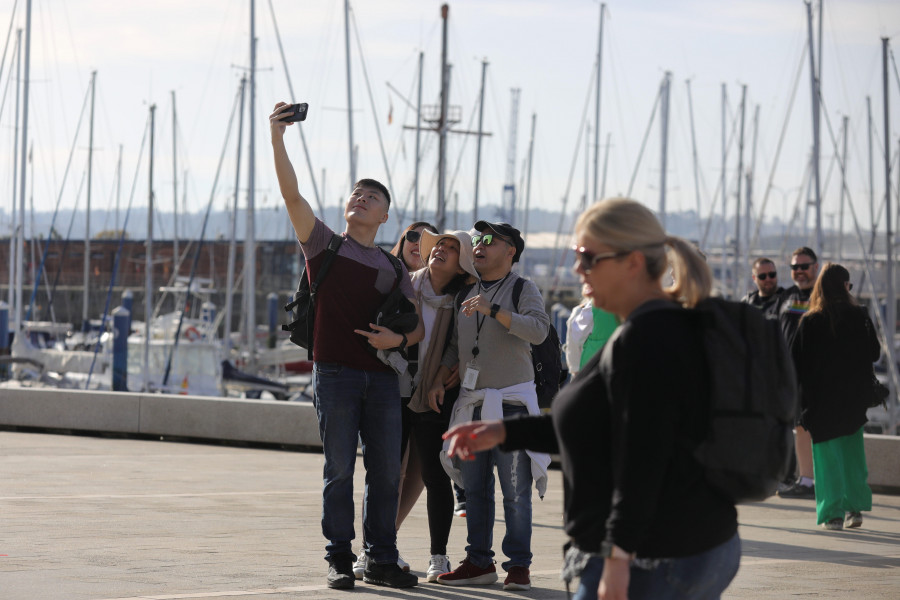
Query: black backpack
[[753, 397], [546, 357], [304, 303]]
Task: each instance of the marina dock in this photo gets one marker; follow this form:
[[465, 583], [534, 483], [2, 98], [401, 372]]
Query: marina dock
[[118, 518]]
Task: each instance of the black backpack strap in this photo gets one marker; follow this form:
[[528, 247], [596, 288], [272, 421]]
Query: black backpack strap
[[462, 293], [330, 253], [395, 262], [517, 291]]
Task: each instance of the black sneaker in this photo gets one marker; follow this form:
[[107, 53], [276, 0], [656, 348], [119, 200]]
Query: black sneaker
[[388, 575], [340, 572], [798, 491]]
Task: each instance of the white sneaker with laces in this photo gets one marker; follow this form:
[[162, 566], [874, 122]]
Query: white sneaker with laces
[[404, 566], [359, 568], [438, 565]]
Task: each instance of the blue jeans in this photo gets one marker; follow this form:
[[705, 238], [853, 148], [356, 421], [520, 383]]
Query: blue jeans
[[514, 473], [359, 405], [702, 576]]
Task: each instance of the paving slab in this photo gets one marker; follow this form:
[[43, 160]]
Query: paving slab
[[93, 518]]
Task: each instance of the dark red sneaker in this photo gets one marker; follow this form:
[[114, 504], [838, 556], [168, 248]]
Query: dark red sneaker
[[468, 574], [517, 578]]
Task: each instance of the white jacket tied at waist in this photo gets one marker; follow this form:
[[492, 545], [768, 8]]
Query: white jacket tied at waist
[[491, 402]]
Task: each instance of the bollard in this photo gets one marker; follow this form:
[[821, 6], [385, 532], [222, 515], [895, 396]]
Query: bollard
[[121, 324], [272, 306], [128, 304]]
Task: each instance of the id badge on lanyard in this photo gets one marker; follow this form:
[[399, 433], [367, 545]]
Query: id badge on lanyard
[[471, 375]]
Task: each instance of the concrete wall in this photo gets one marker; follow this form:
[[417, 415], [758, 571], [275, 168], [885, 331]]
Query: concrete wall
[[256, 421], [260, 421]]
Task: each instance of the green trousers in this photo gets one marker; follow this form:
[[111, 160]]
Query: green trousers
[[839, 466]]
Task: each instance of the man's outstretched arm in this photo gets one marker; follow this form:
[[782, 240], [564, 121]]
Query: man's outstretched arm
[[299, 211]]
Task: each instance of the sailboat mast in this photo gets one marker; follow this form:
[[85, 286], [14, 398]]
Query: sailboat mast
[[871, 166], [891, 312], [118, 187], [724, 193], [232, 245], [840, 231], [696, 168], [484, 66], [528, 181], [250, 241], [148, 257], [20, 243], [349, 95], [597, 103], [442, 123], [418, 138], [176, 257], [605, 165], [814, 80], [14, 237], [85, 302], [748, 194], [664, 123], [737, 207]]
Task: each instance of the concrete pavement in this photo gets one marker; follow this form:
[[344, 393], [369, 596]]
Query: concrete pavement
[[88, 518]]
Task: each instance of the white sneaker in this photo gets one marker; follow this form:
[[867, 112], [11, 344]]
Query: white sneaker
[[438, 565], [404, 566], [359, 568]]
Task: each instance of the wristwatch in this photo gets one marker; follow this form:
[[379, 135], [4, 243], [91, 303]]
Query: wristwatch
[[403, 343], [495, 308], [610, 550]]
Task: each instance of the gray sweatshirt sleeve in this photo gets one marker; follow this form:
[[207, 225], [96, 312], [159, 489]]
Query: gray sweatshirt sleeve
[[531, 322]]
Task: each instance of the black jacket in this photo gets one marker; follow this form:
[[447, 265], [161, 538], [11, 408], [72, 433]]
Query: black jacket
[[625, 428], [834, 371], [767, 304]]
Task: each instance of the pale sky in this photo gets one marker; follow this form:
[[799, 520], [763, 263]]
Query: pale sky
[[142, 51]]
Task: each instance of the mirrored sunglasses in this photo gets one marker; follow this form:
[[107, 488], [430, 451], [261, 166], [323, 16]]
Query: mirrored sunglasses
[[488, 239]]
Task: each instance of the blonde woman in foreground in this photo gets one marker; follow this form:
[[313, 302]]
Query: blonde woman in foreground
[[641, 519]]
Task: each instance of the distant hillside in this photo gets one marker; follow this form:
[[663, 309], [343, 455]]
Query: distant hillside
[[271, 224]]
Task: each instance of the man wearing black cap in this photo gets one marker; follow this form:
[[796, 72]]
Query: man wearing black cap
[[492, 346]]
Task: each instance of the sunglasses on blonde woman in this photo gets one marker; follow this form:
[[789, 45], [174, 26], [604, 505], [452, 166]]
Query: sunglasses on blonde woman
[[587, 260]]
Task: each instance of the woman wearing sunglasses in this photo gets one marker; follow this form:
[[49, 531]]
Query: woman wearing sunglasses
[[449, 268], [833, 352], [407, 247], [407, 250], [642, 521]]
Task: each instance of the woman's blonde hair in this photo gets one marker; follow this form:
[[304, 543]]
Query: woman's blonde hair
[[626, 224]]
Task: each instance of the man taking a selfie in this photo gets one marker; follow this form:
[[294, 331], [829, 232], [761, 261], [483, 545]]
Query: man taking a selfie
[[357, 396]]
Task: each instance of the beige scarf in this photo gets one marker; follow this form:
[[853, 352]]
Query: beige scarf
[[431, 362]]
